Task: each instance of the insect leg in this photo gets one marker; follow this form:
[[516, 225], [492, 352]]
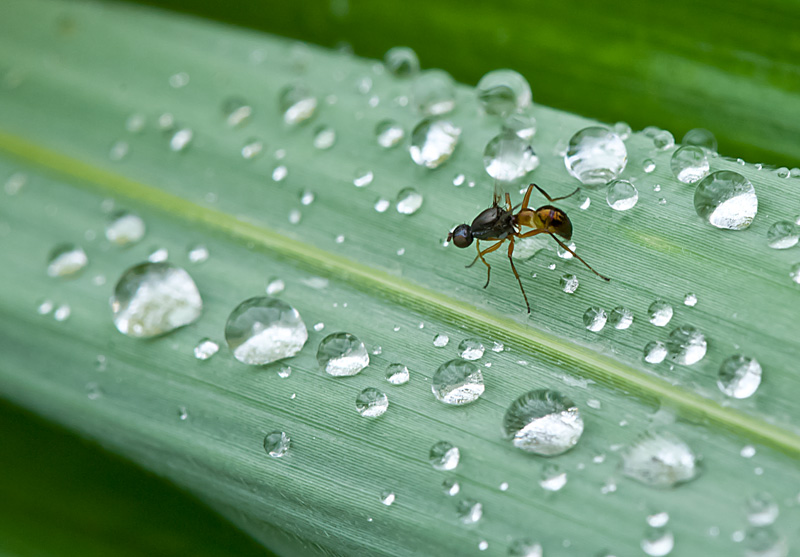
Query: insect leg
[[516, 274], [563, 245]]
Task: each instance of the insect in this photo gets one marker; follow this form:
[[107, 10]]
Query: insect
[[498, 224]]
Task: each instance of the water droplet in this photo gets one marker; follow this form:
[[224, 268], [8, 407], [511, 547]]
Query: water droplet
[[794, 273], [284, 371], [389, 134], [15, 183], [198, 253], [433, 141], [660, 460], [648, 166], [279, 173], [181, 139], [62, 313], [553, 477], [739, 376], [444, 456], [595, 319], [543, 422], [621, 195], [483, 545], [586, 203], [441, 340], [457, 382], [401, 61], [371, 403], [471, 349], [498, 346], [655, 352], [701, 138], [783, 235], [409, 201], [690, 300], [324, 137], [152, 299], [726, 200], [660, 313], [252, 149], [296, 103], [179, 80], [434, 93], [205, 349], [45, 307], [166, 122], [119, 150], [686, 345], [658, 542], [504, 486], [387, 498], [451, 487], [469, 511], [342, 354], [135, 123], [158, 255], [525, 548], [397, 374], [275, 286], [689, 164], [595, 156], [501, 92], [764, 542], [524, 125], [507, 157], [569, 283], [236, 111], [658, 520], [125, 228], [263, 330], [363, 178], [66, 260], [762, 509], [748, 451], [623, 130], [93, 391], [183, 413], [663, 140], [621, 318], [277, 444]]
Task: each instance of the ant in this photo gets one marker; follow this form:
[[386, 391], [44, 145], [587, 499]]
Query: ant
[[498, 224]]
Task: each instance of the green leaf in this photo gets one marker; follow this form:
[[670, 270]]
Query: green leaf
[[66, 103]]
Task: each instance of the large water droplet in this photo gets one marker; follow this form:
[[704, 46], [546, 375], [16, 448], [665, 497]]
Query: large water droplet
[[433, 141], [762, 509], [595, 156], [620, 318], [469, 511], [739, 376], [686, 345], [507, 157], [444, 456], [621, 195], [701, 138], [726, 200], [151, 299], [125, 228], [296, 103], [525, 548], [389, 133], [205, 349], [660, 313], [371, 403], [502, 92], [660, 460], [262, 330], [342, 354], [434, 92], [471, 349], [457, 382], [409, 201], [553, 477], [654, 352], [783, 235], [658, 542], [277, 444], [689, 164], [543, 422], [397, 374], [66, 260], [401, 61], [595, 319]]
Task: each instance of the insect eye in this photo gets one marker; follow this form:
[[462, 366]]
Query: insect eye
[[462, 236]]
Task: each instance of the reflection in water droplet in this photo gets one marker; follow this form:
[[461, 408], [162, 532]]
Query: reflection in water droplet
[[181, 139], [569, 283], [433, 92], [236, 111], [198, 253], [739, 376], [553, 477], [686, 345], [543, 422], [663, 140], [621, 318], [595, 319], [125, 228], [726, 199], [263, 330], [524, 125], [397, 374], [387, 498], [471, 349], [324, 137], [444, 456], [689, 164], [371, 403], [296, 103], [469, 511], [441, 340], [342, 354], [783, 235], [660, 313], [507, 157], [151, 299], [658, 542], [277, 444], [621, 195], [433, 142], [66, 260], [655, 352], [389, 133], [660, 460], [409, 201], [501, 92], [701, 138], [762, 509], [451, 487], [595, 156], [205, 349]]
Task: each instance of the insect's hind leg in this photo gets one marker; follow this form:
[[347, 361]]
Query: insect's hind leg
[[516, 274]]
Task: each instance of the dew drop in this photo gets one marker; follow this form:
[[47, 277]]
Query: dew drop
[[501, 92], [483, 545], [457, 382], [553, 477], [158, 255], [205, 349], [594, 319], [279, 173], [569, 283], [15, 183], [524, 125], [525, 548], [389, 134], [397, 374], [660, 460], [45, 307], [433, 92], [783, 235], [726, 199], [382, 205], [62, 313], [689, 164], [660, 313], [762, 509], [119, 150], [658, 542], [181, 139], [125, 228], [469, 511], [285, 371], [690, 300], [401, 61], [658, 520], [198, 253], [621, 195], [342, 354], [263, 330], [66, 260], [440, 340], [655, 352], [686, 345], [152, 299], [275, 286], [471, 349], [739, 376], [764, 542], [663, 140], [363, 177], [701, 138], [183, 413], [324, 137], [296, 103], [135, 123], [236, 111], [371, 403], [409, 201], [595, 156], [277, 444], [794, 273], [648, 166], [620, 318], [543, 422], [748, 451], [507, 157], [444, 456], [387, 497], [451, 487], [433, 142]]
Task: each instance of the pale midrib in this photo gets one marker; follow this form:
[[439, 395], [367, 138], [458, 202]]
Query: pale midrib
[[611, 371]]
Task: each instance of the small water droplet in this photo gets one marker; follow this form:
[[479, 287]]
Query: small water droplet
[[183, 413], [119, 150], [387, 497], [93, 391], [748, 451], [382, 205], [658, 520], [45, 307], [660, 460], [279, 173], [324, 137], [236, 111], [285, 371], [319, 326], [444, 456], [457, 382], [586, 203], [15, 183], [565, 253], [594, 319], [620, 318], [66, 260], [469, 511], [501, 92], [569, 283], [543, 422], [401, 61], [440, 340], [701, 138], [205, 349], [660, 313], [794, 273], [62, 313], [483, 545], [655, 352], [689, 164], [739, 376], [371, 403], [726, 199], [152, 299], [125, 228], [135, 123], [263, 330], [686, 345], [553, 477], [525, 548], [433, 142], [451, 487], [595, 156], [762, 509], [648, 166], [409, 201], [179, 80], [783, 235], [764, 542], [296, 103], [507, 157], [198, 253], [690, 300], [663, 140], [295, 216], [504, 486], [275, 286], [181, 139], [363, 177], [623, 130], [389, 134], [252, 148], [621, 195], [524, 125], [658, 542], [342, 354], [397, 374], [277, 444], [471, 349], [158, 255], [433, 92]]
